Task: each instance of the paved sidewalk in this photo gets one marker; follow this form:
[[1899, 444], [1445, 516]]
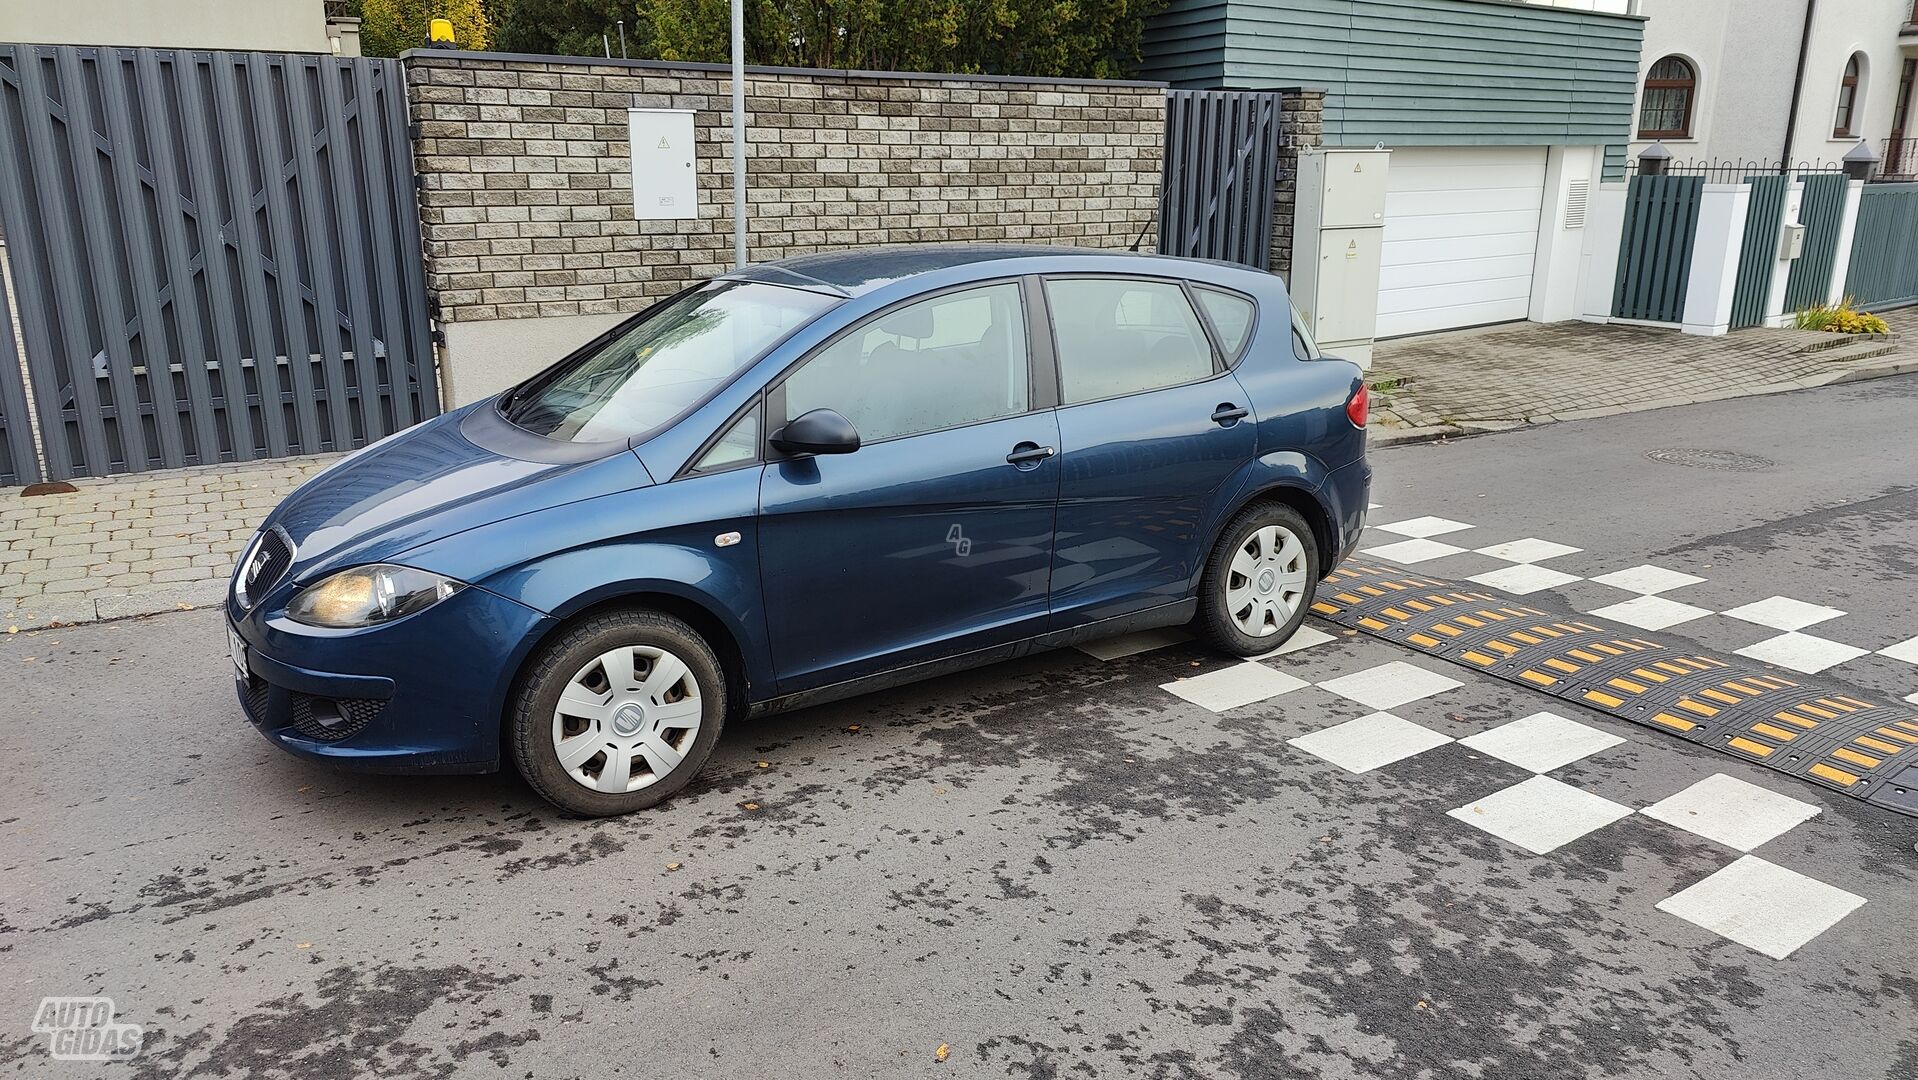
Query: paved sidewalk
[[1499, 377], [134, 545]]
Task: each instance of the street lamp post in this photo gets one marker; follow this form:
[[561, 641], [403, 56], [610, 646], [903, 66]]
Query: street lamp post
[[739, 132]]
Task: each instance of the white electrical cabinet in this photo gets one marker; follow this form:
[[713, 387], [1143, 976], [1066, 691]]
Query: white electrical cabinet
[[665, 180], [1337, 236]]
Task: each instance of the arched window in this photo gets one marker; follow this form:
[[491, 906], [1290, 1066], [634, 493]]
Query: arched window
[[1667, 109], [1850, 89]]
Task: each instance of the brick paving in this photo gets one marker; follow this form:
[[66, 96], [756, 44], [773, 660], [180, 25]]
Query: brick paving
[[150, 542], [1501, 376], [132, 545]]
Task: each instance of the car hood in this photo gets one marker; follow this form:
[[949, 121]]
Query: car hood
[[427, 483]]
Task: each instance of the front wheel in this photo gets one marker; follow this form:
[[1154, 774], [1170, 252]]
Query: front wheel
[[618, 713], [1259, 581]]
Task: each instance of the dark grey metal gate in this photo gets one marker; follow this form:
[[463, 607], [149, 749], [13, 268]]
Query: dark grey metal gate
[[216, 254], [1221, 168], [18, 464]]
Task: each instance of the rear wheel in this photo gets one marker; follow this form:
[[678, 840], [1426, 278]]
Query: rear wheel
[[618, 713], [1259, 581]]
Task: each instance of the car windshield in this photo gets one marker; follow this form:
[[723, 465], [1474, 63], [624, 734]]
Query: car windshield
[[679, 351]]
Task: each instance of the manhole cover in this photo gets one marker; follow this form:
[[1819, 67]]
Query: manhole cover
[[1726, 460]]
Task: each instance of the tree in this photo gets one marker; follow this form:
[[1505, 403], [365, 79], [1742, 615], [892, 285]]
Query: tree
[[562, 27], [390, 27], [1062, 38]]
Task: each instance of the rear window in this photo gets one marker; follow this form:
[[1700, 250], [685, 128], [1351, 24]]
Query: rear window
[[679, 351]]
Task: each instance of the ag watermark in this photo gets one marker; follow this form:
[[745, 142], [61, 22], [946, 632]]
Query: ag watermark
[[84, 1029]]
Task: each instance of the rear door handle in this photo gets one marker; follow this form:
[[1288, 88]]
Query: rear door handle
[[1228, 413], [1027, 453]]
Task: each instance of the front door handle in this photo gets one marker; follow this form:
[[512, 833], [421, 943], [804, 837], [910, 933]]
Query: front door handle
[[1229, 414], [1028, 454]]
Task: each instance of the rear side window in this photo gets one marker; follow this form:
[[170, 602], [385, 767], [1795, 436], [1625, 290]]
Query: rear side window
[[1121, 336], [1231, 316], [957, 358]]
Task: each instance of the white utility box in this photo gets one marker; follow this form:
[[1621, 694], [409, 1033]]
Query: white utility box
[[1337, 236], [665, 181]]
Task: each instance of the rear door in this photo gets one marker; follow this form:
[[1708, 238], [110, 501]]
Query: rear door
[[1151, 426], [934, 538]]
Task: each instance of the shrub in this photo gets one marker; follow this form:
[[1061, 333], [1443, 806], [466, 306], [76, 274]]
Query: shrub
[[1840, 318]]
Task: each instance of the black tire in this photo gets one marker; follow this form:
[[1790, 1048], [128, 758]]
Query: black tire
[[1214, 622], [554, 667]]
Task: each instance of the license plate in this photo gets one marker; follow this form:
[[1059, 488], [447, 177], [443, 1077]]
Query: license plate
[[236, 649]]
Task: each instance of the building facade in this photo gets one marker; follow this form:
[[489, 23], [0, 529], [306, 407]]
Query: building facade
[[1718, 80], [263, 25], [1495, 146]]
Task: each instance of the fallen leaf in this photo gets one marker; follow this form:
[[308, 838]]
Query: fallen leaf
[[941, 1053], [852, 727], [938, 791], [1421, 1004], [306, 788], [672, 866], [304, 945], [13, 629], [763, 764], [184, 607], [749, 806]]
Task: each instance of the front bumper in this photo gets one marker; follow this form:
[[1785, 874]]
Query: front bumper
[[424, 694]]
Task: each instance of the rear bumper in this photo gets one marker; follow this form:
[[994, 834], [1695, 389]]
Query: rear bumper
[[422, 695], [1346, 493]]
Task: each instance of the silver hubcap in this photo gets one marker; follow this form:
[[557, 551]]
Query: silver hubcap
[[1267, 581], [627, 719]]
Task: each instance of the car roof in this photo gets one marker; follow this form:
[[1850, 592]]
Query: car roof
[[854, 271]]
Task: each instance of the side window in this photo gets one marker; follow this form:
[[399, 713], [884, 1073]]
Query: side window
[[1120, 336], [1231, 316], [954, 359], [1303, 346], [738, 446]]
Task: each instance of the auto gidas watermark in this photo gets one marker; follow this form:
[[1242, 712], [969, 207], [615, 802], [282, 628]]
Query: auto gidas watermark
[[85, 1029]]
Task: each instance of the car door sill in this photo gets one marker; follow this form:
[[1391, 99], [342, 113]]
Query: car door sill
[[1172, 614]]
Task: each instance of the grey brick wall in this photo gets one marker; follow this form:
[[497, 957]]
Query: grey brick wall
[[1304, 115], [527, 203]]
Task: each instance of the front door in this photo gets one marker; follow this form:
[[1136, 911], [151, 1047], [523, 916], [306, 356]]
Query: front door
[[934, 538], [1150, 427]]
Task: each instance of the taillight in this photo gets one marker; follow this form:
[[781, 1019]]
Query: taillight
[[1360, 407]]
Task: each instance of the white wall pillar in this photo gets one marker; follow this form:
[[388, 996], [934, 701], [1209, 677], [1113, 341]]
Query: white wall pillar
[[1598, 255], [1716, 244], [1847, 228], [1571, 173], [1775, 313]]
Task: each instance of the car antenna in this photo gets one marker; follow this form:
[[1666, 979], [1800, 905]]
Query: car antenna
[[1143, 230]]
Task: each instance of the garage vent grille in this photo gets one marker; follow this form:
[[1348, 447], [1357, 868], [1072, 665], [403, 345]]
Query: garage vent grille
[[1576, 196]]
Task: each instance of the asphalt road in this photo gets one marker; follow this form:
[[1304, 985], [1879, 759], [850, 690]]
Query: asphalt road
[[1052, 867]]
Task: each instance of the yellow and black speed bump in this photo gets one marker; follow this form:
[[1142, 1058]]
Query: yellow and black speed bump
[[1793, 723]]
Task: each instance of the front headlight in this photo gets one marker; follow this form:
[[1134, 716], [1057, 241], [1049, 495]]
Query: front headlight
[[369, 595]]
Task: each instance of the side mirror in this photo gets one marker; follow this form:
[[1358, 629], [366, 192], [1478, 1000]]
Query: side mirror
[[821, 431]]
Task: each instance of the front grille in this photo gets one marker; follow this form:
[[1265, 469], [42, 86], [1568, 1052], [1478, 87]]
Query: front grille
[[268, 563], [333, 719], [256, 689]]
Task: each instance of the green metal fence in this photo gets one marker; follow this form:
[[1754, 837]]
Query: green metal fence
[[1883, 271], [1823, 214], [1655, 257], [1759, 253]]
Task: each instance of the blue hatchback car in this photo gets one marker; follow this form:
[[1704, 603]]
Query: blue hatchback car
[[797, 482]]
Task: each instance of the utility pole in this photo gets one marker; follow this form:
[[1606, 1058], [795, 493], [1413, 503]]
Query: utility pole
[[739, 132]]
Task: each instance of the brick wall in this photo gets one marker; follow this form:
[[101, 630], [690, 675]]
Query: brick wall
[[526, 197], [1304, 115]]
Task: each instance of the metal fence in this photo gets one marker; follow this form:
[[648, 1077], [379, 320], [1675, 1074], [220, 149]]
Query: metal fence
[[216, 254], [1758, 252], [1655, 256], [1221, 169], [1883, 271], [1822, 212]]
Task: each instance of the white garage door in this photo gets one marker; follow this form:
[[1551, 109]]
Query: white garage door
[[1461, 224]]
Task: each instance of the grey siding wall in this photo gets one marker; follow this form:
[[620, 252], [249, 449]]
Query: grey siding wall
[[1417, 72]]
